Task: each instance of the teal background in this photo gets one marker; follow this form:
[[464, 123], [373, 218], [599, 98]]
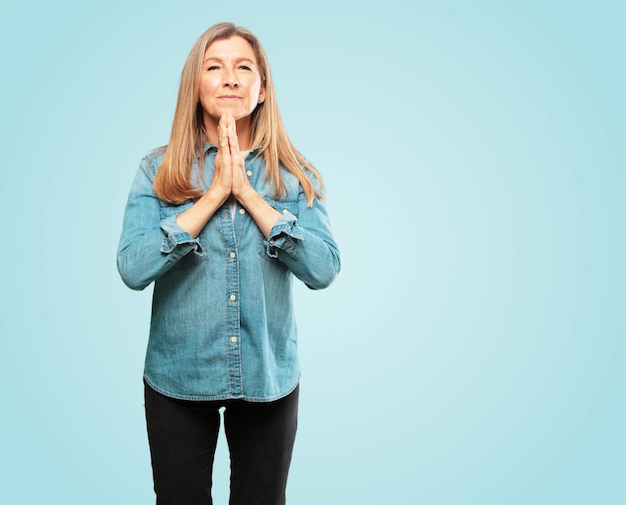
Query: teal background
[[472, 349]]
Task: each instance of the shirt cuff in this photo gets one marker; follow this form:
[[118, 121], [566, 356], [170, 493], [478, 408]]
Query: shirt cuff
[[175, 236], [283, 235]]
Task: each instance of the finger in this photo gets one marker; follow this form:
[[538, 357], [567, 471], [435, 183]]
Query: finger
[[231, 132], [222, 132], [225, 151]]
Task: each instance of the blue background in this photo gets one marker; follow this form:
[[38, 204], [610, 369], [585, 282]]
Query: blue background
[[472, 349]]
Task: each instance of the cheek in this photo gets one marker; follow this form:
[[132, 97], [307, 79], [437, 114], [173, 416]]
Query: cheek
[[205, 89], [256, 91]]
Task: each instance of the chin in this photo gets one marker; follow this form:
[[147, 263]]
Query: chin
[[238, 114]]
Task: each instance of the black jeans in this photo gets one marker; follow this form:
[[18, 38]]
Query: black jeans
[[183, 437]]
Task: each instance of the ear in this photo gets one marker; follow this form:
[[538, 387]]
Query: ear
[[262, 94]]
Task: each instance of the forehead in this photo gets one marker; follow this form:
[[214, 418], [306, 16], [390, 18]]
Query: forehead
[[231, 48]]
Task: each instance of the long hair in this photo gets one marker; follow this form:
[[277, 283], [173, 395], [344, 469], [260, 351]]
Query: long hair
[[172, 182]]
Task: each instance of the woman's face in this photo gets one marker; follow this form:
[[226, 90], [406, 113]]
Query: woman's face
[[230, 80]]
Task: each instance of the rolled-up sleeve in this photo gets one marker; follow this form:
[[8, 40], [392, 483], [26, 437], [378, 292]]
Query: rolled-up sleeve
[[282, 236], [150, 244], [305, 243], [176, 236]]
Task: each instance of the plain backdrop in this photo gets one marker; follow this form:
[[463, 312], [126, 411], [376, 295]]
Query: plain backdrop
[[471, 350]]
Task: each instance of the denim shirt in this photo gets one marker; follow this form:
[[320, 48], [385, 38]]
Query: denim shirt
[[222, 322]]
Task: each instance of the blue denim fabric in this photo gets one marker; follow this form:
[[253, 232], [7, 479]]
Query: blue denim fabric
[[222, 314]]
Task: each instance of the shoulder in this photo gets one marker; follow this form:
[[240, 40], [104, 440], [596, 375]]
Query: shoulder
[[314, 175], [152, 160], [289, 180]]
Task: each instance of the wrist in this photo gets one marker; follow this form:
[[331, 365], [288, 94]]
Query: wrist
[[218, 193], [245, 194]]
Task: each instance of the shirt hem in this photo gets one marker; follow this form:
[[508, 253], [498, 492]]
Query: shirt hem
[[208, 398]]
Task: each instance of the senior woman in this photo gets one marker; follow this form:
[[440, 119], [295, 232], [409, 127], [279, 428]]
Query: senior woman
[[221, 219]]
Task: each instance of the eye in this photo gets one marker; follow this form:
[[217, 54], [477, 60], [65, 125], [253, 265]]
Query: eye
[[244, 67], [213, 67]]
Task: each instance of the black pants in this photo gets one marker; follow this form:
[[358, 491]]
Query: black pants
[[183, 437]]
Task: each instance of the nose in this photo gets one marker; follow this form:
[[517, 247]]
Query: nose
[[230, 78]]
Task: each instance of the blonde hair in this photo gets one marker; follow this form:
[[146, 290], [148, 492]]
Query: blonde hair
[[172, 182]]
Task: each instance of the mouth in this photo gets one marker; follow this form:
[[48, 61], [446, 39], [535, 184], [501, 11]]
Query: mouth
[[229, 97]]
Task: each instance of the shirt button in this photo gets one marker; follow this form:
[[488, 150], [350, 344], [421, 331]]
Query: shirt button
[[249, 172], [271, 241], [234, 340], [242, 211], [233, 298], [285, 211], [232, 255]]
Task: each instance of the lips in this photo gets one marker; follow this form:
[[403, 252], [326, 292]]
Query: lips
[[229, 97]]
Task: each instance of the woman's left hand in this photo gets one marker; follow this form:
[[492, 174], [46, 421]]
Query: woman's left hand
[[227, 134]]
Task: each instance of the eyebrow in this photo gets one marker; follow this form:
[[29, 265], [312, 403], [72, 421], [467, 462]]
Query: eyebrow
[[237, 60]]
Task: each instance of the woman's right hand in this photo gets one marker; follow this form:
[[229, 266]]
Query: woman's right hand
[[196, 217]]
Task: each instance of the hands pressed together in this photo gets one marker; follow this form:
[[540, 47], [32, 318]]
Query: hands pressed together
[[229, 176], [229, 180]]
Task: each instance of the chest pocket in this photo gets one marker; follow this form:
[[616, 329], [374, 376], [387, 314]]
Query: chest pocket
[[284, 207], [191, 259]]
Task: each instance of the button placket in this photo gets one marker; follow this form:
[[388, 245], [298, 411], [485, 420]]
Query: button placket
[[233, 317]]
